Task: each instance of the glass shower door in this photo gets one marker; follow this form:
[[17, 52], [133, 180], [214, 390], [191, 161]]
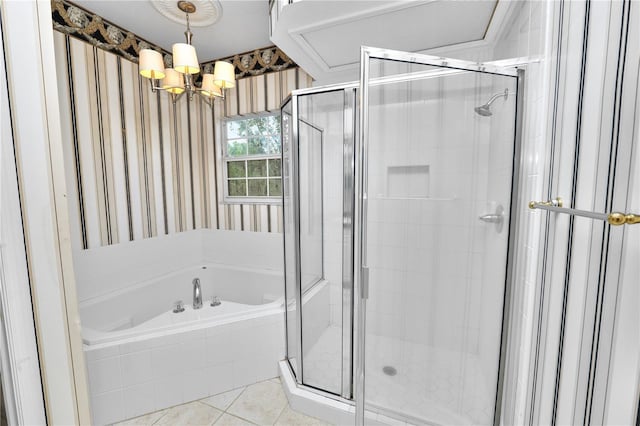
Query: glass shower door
[[317, 148], [439, 143]]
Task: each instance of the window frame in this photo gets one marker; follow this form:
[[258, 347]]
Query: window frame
[[268, 200]]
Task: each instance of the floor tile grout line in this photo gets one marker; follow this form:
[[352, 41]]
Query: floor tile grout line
[[281, 412], [217, 418], [160, 418], [241, 418], [245, 388], [225, 411], [231, 403], [236, 398]]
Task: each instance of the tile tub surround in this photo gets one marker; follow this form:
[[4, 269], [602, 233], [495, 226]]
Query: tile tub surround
[[262, 403], [105, 270], [135, 377]]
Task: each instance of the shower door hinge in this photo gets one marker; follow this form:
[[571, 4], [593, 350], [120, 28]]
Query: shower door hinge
[[365, 282]]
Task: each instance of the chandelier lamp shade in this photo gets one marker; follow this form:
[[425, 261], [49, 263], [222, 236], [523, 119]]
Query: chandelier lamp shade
[[180, 79]]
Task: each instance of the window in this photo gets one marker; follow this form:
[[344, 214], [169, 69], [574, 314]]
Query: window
[[252, 163]]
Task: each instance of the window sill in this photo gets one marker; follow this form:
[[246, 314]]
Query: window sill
[[249, 200]]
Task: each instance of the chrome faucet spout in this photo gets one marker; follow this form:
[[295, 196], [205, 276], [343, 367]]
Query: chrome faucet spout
[[197, 294]]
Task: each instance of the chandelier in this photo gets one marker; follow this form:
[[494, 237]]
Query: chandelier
[[180, 79]]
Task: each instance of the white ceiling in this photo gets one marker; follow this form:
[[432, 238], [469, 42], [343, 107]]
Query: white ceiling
[[324, 36], [416, 27], [244, 25]]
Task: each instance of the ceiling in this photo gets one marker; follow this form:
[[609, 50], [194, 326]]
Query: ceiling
[[243, 26], [324, 37], [414, 27]]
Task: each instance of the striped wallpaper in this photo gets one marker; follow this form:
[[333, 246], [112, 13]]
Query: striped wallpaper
[[138, 167]]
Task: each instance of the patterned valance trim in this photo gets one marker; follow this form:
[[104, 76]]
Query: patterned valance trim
[[85, 25], [71, 19], [256, 62]]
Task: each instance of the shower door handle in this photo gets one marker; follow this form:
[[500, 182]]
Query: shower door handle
[[497, 218], [491, 218]]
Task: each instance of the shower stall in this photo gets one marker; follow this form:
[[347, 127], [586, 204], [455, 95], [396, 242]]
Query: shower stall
[[399, 208]]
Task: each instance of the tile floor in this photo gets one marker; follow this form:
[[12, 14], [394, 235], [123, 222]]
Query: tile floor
[[262, 403]]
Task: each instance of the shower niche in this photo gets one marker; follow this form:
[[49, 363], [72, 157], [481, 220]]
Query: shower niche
[[397, 293]]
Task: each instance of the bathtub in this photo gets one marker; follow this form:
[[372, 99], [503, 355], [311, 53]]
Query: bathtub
[[143, 357]]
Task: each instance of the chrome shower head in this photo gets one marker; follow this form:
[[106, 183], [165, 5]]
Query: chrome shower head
[[485, 109]]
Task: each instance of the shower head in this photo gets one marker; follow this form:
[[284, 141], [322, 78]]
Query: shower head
[[485, 109]]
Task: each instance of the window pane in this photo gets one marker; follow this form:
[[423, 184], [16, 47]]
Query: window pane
[[275, 168], [237, 188], [235, 129], [256, 146], [255, 126], [237, 148], [235, 169], [272, 143], [257, 187], [257, 168], [275, 187], [261, 145], [274, 124]]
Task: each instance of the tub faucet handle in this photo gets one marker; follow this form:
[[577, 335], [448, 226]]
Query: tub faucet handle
[[179, 307], [215, 301]]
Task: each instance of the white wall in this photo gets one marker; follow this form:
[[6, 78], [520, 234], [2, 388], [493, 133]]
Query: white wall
[[107, 269]]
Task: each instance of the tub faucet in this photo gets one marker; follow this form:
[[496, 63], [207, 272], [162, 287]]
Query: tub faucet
[[197, 294]]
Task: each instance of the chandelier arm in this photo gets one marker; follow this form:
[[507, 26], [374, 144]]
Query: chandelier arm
[[206, 99], [175, 98], [155, 85]]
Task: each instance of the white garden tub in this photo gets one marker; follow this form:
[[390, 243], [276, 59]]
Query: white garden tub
[[147, 307], [143, 357]]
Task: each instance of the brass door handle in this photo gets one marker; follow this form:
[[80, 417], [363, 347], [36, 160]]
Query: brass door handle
[[622, 219], [614, 218]]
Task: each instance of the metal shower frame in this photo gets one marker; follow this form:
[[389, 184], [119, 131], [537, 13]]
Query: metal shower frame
[[355, 292]]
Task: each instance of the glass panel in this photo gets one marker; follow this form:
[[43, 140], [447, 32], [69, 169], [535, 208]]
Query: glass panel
[[237, 187], [254, 126], [235, 129], [257, 168], [236, 169], [237, 147], [289, 231], [256, 147], [435, 163], [321, 186], [275, 187], [271, 144], [257, 187], [275, 168], [310, 196]]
